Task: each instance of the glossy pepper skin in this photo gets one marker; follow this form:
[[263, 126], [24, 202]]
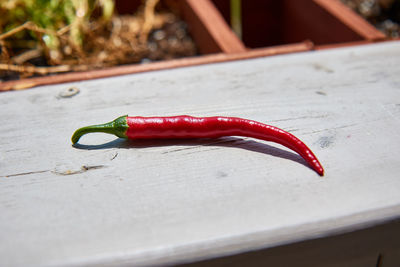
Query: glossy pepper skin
[[201, 127]]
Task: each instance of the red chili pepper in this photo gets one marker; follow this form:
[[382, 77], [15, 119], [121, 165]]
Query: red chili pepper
[[200, 127]]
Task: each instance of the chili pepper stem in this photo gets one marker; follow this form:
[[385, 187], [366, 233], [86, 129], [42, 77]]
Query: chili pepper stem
[[117, 127]]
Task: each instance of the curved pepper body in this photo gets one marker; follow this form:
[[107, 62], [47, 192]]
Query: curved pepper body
[[201, 127], [214, 127]]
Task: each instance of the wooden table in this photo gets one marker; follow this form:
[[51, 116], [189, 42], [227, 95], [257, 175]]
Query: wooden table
[[115, 202]]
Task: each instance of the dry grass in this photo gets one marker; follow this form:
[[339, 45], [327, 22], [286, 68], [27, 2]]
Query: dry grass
[[105, 43]]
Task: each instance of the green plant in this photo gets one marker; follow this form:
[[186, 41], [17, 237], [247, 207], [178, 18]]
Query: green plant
[[50, 22]]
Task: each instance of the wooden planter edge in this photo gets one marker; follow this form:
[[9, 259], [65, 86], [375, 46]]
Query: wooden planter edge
[[162, 65], [358, 43]]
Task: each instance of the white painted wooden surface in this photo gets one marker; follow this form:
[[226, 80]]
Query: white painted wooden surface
[[163, 202]]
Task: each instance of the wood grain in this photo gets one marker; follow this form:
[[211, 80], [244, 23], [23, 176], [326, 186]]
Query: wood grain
[[112, 202]]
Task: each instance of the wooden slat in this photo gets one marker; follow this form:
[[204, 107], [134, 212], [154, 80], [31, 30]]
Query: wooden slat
[[351, 19], [209, 28]]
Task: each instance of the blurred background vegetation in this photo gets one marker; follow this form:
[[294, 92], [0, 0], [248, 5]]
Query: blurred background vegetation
[[49, 36], [42, 23]]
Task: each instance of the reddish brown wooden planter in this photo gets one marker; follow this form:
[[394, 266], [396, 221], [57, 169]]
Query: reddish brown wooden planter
[[324, 22]]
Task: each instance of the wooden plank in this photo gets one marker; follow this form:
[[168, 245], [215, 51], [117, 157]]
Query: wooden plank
[[371, 247], [116, 202]]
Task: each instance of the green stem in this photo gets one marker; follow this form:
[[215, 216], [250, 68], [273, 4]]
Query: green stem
[[236, 17], [117, 127]]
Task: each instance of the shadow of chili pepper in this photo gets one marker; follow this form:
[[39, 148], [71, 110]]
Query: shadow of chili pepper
[[232, 142]]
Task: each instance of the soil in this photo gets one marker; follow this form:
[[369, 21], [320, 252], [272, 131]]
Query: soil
[[383, 14]]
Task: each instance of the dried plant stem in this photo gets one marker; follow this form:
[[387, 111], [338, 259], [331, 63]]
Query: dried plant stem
[[15, 30], [42, 70], [26, 56], [149, 8], [5, 56], [29, 25], [64, 30]]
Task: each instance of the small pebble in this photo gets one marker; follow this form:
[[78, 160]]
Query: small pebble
[[159, 35]]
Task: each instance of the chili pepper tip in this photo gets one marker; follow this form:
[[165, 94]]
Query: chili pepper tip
[[320, 171]]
